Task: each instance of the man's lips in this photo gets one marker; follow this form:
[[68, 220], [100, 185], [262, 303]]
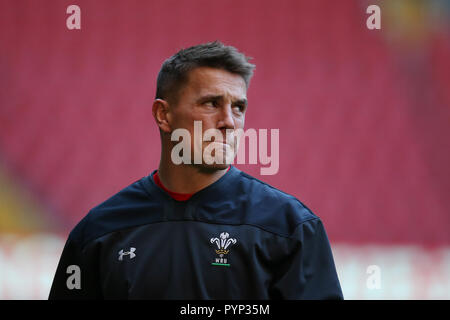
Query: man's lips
[[220, 143]]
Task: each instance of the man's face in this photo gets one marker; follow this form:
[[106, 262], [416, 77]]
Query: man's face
[[218, 99]]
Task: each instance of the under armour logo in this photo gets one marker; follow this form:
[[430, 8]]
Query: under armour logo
[[126, 253]]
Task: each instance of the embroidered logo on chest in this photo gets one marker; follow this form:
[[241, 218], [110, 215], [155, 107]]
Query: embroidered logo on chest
[[223, 243], [130, 253]]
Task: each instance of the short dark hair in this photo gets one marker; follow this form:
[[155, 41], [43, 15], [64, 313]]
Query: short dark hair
[[174, 71]]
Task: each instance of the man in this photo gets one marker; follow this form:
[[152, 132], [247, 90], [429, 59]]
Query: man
[[198, 230]]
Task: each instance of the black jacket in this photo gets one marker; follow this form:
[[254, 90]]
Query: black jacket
[[238, 238]]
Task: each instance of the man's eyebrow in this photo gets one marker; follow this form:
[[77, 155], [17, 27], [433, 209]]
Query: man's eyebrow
[[241, 101], [209, 97], [213, 97]]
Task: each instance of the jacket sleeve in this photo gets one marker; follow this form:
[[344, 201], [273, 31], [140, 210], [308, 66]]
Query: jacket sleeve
[[309, 271], [77, 275]]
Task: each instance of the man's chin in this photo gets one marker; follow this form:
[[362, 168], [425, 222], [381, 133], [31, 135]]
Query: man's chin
[[210, 168]]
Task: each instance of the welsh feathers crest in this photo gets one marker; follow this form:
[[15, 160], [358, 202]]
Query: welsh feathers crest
[[223, 243]]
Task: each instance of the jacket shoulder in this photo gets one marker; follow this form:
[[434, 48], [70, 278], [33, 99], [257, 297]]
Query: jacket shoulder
[[273, 209], [124, 209]]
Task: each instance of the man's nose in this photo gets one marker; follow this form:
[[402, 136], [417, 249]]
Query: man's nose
[[226, 120]]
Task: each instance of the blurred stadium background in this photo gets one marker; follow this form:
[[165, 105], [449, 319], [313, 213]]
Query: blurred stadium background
[[363, 116]]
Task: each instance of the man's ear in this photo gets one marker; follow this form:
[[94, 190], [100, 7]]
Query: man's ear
[[160, 111]]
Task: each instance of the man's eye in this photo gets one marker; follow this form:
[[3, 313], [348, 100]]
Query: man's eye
[[240, 107], [210, 103]]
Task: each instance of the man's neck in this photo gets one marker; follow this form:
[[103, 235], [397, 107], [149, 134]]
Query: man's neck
[[187, 178]]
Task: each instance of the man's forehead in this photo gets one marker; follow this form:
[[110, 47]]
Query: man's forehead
[[206, 80]]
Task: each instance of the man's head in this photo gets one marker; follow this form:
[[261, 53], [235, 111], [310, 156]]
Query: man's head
[[175, 70], [206, 83]]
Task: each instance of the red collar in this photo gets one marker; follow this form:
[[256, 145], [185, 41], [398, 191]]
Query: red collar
[[175, 195]]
